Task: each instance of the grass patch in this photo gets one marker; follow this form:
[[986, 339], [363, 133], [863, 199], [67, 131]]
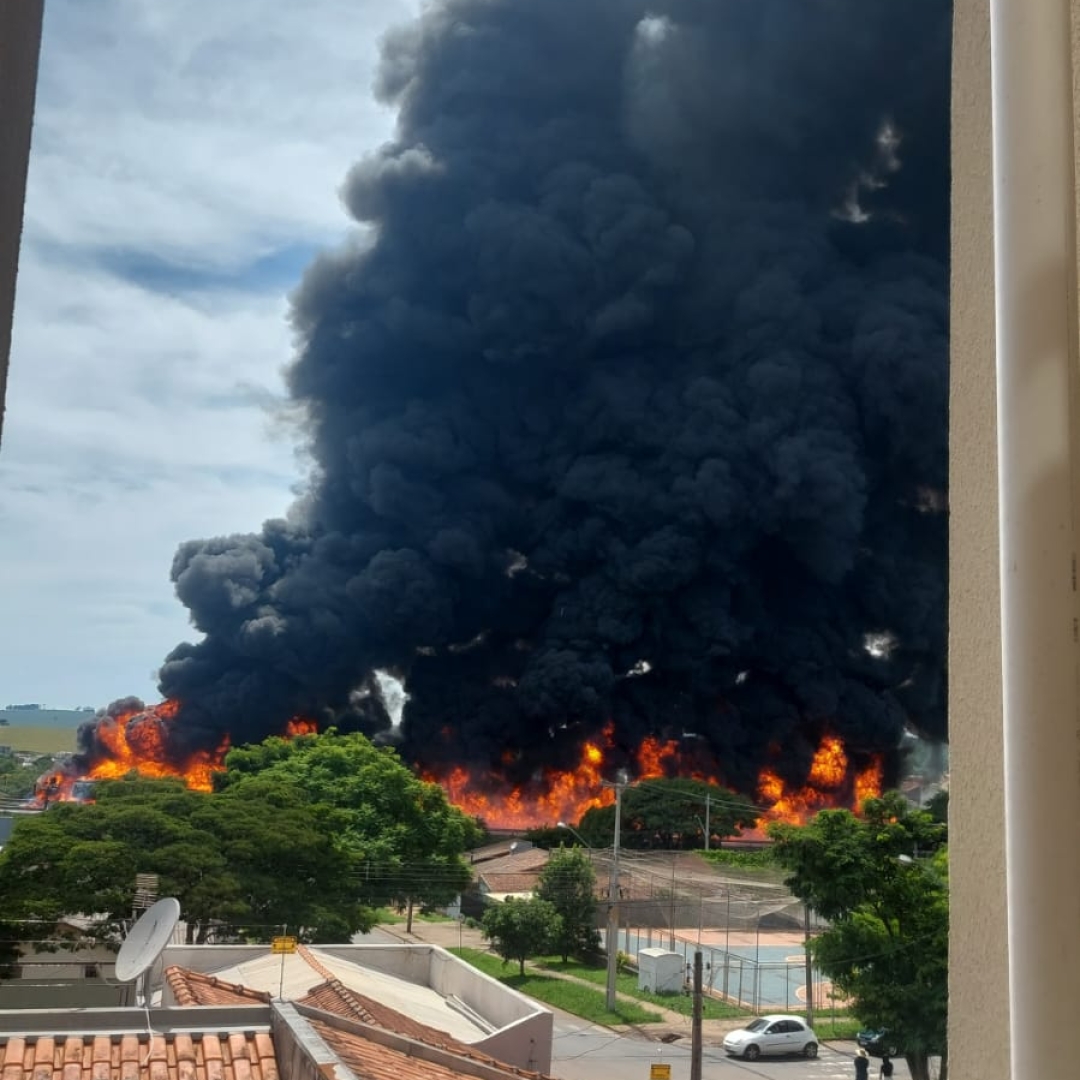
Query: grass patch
[[626, 983], [566, 994], [758, 859], [38, 740], [393, 917], [835, 1024], [388, 917]]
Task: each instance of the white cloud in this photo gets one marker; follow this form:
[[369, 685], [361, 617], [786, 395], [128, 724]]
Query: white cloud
[[186, 162]]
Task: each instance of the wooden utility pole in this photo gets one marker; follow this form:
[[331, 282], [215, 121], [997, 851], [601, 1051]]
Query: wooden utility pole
[[695, 1030], [611, 941], [809, 968]]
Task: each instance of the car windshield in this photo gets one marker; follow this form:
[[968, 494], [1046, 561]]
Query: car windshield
[[757, 1025]]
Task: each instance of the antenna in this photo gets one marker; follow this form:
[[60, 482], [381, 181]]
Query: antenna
[[146, 939]]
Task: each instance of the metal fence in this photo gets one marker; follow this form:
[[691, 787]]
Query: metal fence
[[752, 934], [756, 979]]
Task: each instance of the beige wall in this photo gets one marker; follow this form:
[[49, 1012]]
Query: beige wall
[[20, 38], [978, 990], [979, 1020]]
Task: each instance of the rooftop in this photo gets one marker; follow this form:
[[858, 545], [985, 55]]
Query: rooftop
[[244, 1013]]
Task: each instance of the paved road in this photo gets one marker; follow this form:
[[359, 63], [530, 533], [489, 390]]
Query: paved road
[[588, 1052], [584, 1051]]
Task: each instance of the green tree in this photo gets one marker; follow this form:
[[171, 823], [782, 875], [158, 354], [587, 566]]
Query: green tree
[[568, 882], [17, 779], [405, 838], [290, 868], [938, 807], [881, 880], [252, 860], [518, 929], [669, 813]]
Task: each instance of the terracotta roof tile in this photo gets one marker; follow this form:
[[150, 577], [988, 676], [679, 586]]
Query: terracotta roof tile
[[198, 988], [510, 883], [247, 1056], [376, 1061], [520, 862], [334, 997]]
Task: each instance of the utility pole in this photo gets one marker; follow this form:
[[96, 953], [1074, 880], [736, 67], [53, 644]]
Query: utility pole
[[612, 940], [809, 968], [671, 922], [695, 1030]]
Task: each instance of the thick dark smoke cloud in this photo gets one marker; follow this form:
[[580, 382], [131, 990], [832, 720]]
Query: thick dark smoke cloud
[[630, 405]]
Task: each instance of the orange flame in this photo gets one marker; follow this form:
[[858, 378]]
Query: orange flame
[[829, 767], [828, 777], [555, 796], [868, 782], [141, 741], [566, 795], [654, 757]]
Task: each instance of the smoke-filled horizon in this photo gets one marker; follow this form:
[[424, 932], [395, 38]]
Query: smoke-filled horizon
[[630, 406]]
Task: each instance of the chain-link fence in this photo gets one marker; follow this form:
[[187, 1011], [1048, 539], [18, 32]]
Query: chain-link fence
[[751, 933]]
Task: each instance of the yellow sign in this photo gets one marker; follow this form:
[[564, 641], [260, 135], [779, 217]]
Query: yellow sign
[[283, 944], [659, 1072]]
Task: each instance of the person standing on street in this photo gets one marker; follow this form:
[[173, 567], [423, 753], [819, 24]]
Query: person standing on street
[[862, 1065], [886, 1067]]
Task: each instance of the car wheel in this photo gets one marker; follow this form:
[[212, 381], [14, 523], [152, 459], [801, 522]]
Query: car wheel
[[752, 1053], [810, 1050]]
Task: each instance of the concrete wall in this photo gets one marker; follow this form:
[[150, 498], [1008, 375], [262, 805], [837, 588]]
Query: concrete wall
[[20, 40], [82, 1022], [411, 963], [80, 978], [55, 994], [978, 984], [301, 1052], [525, 1030]]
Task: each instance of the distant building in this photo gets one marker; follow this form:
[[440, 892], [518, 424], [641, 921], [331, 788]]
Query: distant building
[[516, 874]]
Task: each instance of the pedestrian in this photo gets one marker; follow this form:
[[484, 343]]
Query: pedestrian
[[886, 1067], [862, 1065]]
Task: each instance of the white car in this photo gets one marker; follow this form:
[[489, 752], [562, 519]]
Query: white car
[[772, 1035]]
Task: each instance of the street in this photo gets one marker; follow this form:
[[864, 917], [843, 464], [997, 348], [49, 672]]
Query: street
[[589, 1052], [585, 1051]]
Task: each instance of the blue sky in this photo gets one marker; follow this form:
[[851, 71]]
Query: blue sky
[[185, 167]]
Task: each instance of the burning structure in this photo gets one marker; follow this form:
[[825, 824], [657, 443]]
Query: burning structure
[[627, 411]]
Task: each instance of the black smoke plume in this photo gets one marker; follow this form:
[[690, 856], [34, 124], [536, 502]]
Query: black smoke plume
[[628, 404]]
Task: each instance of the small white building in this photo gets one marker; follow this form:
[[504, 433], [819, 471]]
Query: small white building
[[660, 971]]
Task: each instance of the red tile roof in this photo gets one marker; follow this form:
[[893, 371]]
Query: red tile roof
[[374, 1060], [520, 862], [197, 988], [510, 884], [248, 1056], [334, 997]]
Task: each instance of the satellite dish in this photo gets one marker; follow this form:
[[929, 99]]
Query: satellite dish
[[147, 938]]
